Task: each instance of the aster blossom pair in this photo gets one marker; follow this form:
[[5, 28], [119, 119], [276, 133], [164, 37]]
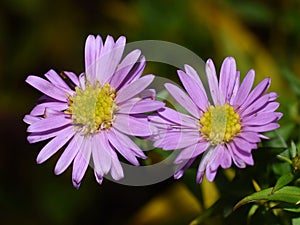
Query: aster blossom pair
[[225, 130], [93, 114]]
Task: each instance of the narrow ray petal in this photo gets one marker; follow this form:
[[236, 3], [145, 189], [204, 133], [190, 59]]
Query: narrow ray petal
[[130, 143], [192, 151], [183, 99], [116, 168], [125, 151], [39, 109], [178, 118], [256, 92], [41, 136], [183, 167], [55, 79], [132, 125], [134, 88], [213, 82], [47, 88], [177, 140], [227, 78], [81, 162], [110, 58], [265, 128], [69, 154], [54, 145], [49, 123], [196, 93], [140, 106], [245, 88], [124, 68]]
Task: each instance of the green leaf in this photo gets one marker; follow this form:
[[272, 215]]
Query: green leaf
[[296, 221], [251, 212], [287, 207], [293, 149], [288, 194], [282, 181], [294, 210]]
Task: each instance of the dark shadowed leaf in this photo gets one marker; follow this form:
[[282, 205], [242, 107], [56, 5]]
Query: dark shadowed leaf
[[283, 180], [288, 194]]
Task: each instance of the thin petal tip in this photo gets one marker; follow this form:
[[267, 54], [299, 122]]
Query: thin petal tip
[[76, 184]]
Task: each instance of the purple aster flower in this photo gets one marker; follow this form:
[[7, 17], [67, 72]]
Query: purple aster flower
[[93, 114], [225, 130]]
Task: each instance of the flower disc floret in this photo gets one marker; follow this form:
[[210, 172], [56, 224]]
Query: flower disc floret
[[92, 108], [220, 124]]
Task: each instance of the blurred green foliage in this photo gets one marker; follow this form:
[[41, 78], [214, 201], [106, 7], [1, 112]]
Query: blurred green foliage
[[37, 35]]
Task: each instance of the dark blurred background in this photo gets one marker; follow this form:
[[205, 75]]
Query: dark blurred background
[[38, 35]]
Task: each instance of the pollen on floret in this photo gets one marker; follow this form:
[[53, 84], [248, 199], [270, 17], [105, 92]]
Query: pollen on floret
[[220, 124], [92, 108]]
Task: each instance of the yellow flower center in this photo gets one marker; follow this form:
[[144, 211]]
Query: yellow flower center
[[92, 108], [220, 124]]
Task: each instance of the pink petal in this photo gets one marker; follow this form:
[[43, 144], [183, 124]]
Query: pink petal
[[116, 168], [69, 154], [237, 161], [259, 104], [183, 167], [93, 47], [264, 128], [49, 123], [183, 99], [227, 79], [97, 158], [29, 119], [81, 162], [125, 151], [140, 106], [135, 73], [213, 82], [133, 88], [54, 145], [82, 81], [245, 88], [244, 145], [148, 94], [235, 88], [110, 58], [261, 119], [261, 88], [207, 157], [124, 68], [178, 139], [242, 155], [41, 136], [55, 79], [128, 142], [132, 125], [217, 160], [72, 76], [210, 175], [191, 152], [47, 88], [179, 118], [39, 109], [270, 107], [101, 154], [226, 161], [249, 136], [196, 92], [193, 73]]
